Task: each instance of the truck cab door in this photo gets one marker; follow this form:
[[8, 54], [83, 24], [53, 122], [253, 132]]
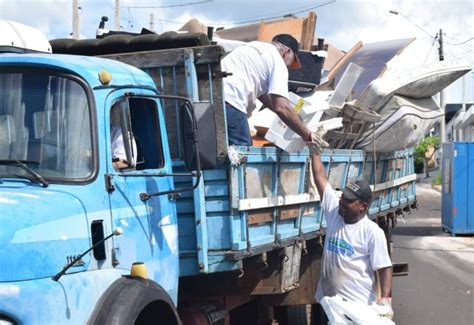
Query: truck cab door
[[137, 154]]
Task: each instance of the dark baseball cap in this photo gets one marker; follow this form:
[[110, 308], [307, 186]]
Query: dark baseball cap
[[358, 190], [292, 43]]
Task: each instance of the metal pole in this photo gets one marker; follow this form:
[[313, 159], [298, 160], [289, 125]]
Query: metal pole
[[463, 94], [117, 15], [442, 130], [152, 22], [462, 134], [75, 19]]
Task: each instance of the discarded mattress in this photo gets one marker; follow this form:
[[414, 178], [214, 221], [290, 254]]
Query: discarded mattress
[[404, 100], [404, 123], [421, 82]]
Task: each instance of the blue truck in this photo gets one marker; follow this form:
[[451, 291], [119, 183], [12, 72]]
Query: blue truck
[[209, 236]]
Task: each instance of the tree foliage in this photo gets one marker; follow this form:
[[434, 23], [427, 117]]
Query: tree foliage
[[421, 159], [422, 148]]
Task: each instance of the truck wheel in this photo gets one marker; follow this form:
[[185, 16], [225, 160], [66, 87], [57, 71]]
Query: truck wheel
[[293, 315], [134, 301]]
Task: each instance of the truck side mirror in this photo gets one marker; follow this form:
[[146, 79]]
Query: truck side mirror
[[201, 130]]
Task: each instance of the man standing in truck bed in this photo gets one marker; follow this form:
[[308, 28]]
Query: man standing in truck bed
[[259, 71], [355, 248]]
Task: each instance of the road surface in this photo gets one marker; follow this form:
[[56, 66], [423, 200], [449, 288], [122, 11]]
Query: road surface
[[439, 288]]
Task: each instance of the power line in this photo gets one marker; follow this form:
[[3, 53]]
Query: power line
[[290, 13], [396, 12], [172, 6], [429, 52], [287, 12], [461, 43]]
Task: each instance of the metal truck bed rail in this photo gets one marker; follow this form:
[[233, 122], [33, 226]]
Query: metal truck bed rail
[[266, 202]]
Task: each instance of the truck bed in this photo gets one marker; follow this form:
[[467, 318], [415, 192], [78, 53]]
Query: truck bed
[[266, 202]]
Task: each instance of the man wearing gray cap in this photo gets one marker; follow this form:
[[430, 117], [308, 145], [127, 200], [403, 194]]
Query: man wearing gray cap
[[355, 248], [259, 71]]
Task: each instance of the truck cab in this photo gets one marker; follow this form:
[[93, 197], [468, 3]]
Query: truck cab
[[61, 192]]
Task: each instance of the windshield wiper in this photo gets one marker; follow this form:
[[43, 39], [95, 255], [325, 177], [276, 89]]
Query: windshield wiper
[[22, 164]]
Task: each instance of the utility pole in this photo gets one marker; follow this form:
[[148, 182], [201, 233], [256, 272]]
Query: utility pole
[[152, 22], [442, 129], [75, 19], [117, 15]]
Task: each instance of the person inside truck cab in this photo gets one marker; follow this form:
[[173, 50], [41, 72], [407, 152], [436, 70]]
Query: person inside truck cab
[[119, 156], [259, 71], [355, 248]]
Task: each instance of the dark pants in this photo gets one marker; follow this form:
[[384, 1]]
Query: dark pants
[[318, 316], [238, 132]]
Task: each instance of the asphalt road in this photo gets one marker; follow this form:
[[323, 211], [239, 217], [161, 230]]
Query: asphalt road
[[439, 288]]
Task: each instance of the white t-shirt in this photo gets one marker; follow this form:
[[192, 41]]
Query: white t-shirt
[[352, 253], [118, 148], [257, 68]]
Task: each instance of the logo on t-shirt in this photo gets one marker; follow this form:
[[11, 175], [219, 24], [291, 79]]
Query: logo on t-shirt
[[340, 246]]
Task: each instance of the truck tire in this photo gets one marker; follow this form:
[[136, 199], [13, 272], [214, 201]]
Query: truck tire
[[133, 300], [293, 315]]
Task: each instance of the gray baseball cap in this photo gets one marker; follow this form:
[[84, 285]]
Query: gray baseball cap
[[358, 190]]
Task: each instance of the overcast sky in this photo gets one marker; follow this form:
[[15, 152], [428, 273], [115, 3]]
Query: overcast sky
[[341, 22]]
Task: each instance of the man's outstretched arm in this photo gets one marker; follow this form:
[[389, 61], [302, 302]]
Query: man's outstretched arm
[[281, 107], [319, 174], [385, 282], [385, 278]]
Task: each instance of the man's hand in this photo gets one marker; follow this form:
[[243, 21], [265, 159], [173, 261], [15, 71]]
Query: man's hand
[[386, 303], [317, 143]]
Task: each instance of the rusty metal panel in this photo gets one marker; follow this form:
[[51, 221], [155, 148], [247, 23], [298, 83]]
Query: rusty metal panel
[[400, 163], [288, 212], [308, 210], [259, 216]]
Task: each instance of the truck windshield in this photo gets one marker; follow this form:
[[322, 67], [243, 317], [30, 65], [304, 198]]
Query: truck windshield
[[44, 122]]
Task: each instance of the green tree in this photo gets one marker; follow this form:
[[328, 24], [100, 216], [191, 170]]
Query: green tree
[[421, 150]]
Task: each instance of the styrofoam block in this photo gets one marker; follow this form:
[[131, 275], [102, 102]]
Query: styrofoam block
[[263, 118], [285, 138], [303, 107]]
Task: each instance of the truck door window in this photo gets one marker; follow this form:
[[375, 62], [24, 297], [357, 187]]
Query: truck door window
[[135, 135], [45, 123], [124, 147]]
